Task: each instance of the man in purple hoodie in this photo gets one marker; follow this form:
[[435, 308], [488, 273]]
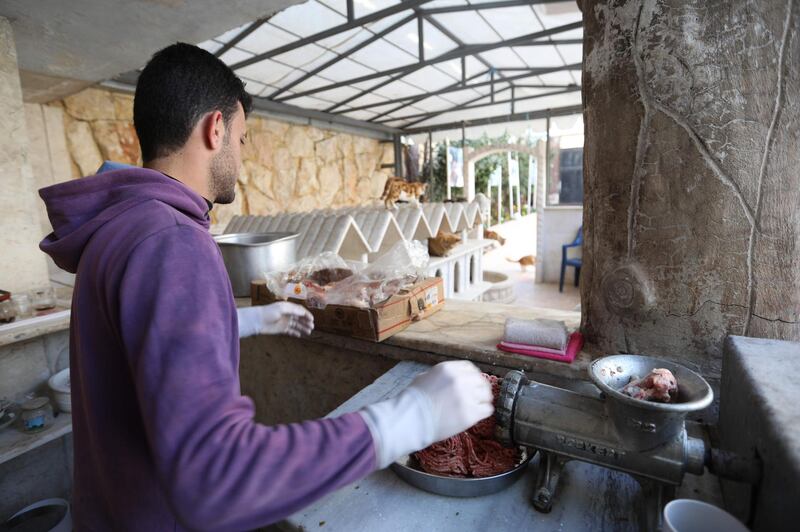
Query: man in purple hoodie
[[163, 438]]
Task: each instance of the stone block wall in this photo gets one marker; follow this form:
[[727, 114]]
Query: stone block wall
[[692, 209], [22, 265], [286, 167]]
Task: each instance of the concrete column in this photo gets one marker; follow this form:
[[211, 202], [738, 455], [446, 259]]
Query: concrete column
[[692, 188], [22, 266]]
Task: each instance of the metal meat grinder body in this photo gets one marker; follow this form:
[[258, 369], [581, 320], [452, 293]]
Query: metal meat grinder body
[[648, 440]]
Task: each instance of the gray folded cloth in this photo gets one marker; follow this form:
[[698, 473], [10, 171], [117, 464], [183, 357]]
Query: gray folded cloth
[[551, 334]]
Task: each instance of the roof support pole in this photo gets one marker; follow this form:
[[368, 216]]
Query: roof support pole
[[398, 156]]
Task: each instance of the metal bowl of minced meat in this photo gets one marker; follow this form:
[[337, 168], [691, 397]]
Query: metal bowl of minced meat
[[409, 470]]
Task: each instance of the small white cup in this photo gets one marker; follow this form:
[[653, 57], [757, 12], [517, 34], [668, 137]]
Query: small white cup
[[687, 515]]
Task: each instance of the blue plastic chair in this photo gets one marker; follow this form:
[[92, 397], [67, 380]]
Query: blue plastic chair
[[575, 263]]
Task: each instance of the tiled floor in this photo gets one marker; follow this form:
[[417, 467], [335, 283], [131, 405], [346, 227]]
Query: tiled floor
[[521, 240]]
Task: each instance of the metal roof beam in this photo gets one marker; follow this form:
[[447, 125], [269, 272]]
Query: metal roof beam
[[127, 82], [471, 49], [411, 100], [241, 35], [355, 23], [449, 109], [341, 56], [501, 119], [457, 87], [511, 100], [486, 5]]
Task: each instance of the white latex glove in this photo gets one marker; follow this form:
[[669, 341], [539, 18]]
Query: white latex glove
[[277, 318], [441, 402]]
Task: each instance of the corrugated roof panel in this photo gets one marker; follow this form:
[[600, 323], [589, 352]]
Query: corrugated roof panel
[[462, 96], [337, 95], [266, 37], [549, 102], [364, 114], [314, 82], [366, 7], [558, 13], [398, 89], [310, 102], [559, 78], [382, 24], [266, 71], [503, 58], [307, 57], [434, 103], [210, 45], [540, 56], [230, 34], [444, 3], [436, 42], [429, 79], [307, 19], [522, 91], [234, 55], [468, 26], [572, 53], [253, 87], [468, 114], [346, 69], [512, 22], [339, 5], [341, 42], [382, 55]]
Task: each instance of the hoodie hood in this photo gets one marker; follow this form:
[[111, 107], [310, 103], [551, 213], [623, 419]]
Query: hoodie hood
[[77, 209]]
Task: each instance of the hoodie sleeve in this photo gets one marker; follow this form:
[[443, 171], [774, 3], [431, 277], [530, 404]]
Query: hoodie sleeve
[[220, 469]]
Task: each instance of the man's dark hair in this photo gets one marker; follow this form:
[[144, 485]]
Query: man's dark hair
[[179, 85]]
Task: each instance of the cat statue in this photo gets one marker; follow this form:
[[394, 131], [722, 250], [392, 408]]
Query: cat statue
[[400, 189]]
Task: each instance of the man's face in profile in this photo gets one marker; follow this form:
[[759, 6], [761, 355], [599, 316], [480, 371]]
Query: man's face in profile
[[226, 164]]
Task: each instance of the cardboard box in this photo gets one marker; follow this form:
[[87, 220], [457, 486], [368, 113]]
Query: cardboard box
[[375, 324]]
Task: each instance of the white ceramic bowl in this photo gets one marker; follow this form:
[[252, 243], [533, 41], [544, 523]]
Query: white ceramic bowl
[[59, 384], [687, 515]]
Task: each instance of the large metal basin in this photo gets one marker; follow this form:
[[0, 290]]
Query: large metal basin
[[248, 255]]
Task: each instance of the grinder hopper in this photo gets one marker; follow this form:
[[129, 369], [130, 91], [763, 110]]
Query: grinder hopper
[[643, 425]]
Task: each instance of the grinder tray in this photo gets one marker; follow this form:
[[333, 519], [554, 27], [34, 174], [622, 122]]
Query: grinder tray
[[407, 469]]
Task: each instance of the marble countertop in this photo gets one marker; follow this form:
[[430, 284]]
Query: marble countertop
[[590, 498], [470, 330]]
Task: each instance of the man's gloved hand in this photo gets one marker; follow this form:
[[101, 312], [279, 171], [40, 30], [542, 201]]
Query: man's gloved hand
[[277, 318], [441, 402]]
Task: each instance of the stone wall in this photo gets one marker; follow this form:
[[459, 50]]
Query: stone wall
[[22, 266], [286, 167], [692, 187]]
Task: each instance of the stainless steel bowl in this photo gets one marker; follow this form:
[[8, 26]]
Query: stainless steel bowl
[[644, 424], [248, 255], [407, 469]]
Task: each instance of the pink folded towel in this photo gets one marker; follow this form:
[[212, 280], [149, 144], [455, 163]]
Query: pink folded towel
[[574, 346]]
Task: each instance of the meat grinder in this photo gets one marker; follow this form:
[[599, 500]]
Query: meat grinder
[[653, 442]]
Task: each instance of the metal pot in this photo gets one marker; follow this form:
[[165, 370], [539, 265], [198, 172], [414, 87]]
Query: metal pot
[[248, 255]]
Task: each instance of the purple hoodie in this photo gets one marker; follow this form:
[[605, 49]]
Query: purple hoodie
[[164, 440]]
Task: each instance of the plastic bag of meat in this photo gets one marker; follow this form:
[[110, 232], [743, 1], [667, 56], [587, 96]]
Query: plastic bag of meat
[[310, 278], [473, 453], [395, 270], [660, 386]]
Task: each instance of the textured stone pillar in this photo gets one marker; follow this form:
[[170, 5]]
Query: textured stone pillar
[[22, 265], [692, 175]]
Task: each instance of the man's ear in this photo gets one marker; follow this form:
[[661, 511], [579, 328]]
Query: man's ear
[[214, 130]]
